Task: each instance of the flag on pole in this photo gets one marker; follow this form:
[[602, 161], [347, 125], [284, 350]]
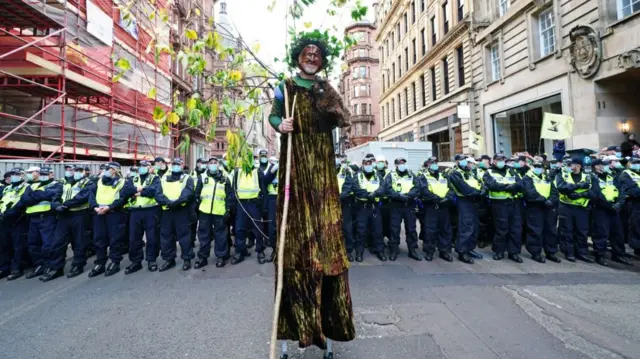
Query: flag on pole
[[556, 127], [476, 142]]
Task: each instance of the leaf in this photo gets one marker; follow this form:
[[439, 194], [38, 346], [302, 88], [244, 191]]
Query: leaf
[[191, 34], [123, 64], [210, 40], [152, 93], [191, 104], [164, 129], [117, 77], [197, 11], [159, 115], [173, 118], [235, 75], [307, 25], [152, 16], [255, 48], [215, 109], [194, 118]]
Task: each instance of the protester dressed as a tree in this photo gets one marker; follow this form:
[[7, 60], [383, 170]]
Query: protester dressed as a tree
[[316, 301]]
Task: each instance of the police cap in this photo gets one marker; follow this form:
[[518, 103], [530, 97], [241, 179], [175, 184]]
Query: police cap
[[177, 161], [159, 159], [45, 171]]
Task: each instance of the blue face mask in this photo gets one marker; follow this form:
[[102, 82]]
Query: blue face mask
[[566, 169], [380, 166], [107, 174], [338, 162], [263, 160], [68, 174], [606, 169], [537, 171], [16, 179], [553, 166], [78, 176], [516, 165], [143, 170], [463, 163], [500, 164], [368, 169], [618, 165], [213, 168], [433, 166], [176, 169], [30, 177], [635, 167], [402, 167], [619, 154]]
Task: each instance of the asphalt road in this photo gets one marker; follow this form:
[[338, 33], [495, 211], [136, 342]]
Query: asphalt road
[[405, 309]]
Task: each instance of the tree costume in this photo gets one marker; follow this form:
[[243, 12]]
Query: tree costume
[[316, 300]]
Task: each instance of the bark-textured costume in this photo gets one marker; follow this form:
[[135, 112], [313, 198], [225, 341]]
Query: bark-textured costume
[[316, 301]]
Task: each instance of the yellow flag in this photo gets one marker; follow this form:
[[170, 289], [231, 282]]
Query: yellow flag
[[476, 142], [556, 127]]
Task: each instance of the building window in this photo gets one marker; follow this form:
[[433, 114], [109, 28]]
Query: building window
[[362, 53], [383, 84], [504, 6], [399, 108], [494, 60], [393, 110], [383, 119], [460, 9], [371, 113], [415, 55], [356, 91], [423, 42], [423, 90], [627, 7], [406, 59], [413, 12], [355, 109], [422, 5], [406, 101], [433, 31], [399, 66], [546, 28], [363, 72], [398, 32], [393, 36], [445, 75], [364, 109], [433, 84], [406, 23], [460, 59], [413, 93], [445, 16], [364, 91], [393, 71]]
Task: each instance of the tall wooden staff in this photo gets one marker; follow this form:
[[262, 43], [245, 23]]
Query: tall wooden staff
[[283, 229]]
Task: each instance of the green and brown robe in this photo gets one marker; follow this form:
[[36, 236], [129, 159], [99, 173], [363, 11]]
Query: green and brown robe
[[316, 300]]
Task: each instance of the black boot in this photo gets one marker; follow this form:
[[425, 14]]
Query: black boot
[[238, 258], [359, 256], [584, 258], [284, 356], [75, 271], [112, 269], [52, 274], [621, 260], [221, 262], [97, 270], [186, 264], [553, 257], [538, 258], [167, 265], [515, 257], [571, 258], [4, 274], [328, 355], [133, 267], [15, 275], [152, 266], [498, 256], [446, 256], [350, 256], [393, 253], [381, 256], [38, 271], [428, 256], [465, 258], [475, 254], [271, 256], [262, 259], [201, 262], [413, 254], [601, 261]]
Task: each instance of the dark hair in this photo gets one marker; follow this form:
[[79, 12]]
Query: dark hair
[[299, 45]]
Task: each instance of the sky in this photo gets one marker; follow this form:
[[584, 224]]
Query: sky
[[255, 23]]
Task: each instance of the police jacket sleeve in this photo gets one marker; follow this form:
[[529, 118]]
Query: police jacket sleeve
[[229, 199], [563, 186], [530, 192], [346, 187], [51, 194], [459, 183], [22, 203], [153, 187], [389, 190], [268, 177], [127, 191], [596, 195], [187, 192], [199, 186], [358, 191], [92, 196], [492, 184], [554, 196], [426, 195], [382, 189], [630, 187], [81, 198], [415, 191]]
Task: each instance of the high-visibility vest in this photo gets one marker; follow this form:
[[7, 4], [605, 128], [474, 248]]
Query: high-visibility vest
[[369, 185], [508, 179], [248, 185], [542, 186], [480, 174], [272, 188], [342, 178], [472, 181], [634, 176], [69, 191], [582, 202], [11, 195], [608, 189], [172, 190], [402, 184], [438, 186], [44, 206], [106, 195], [213, 195], [139, 201]]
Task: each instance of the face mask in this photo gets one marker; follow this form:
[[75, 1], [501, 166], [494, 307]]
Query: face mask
[[201, 166], [157, 167], [472, 167], [482, 165], [213, 168], [176, 168], [16, 179], [256, 164], [68, 174], [635, 167], [143, 170], [30, 177], [225, 163], [368, 168], [619, 154], [606, 169], [433, 166], [566, 169], [78, 176], [338, 162], [402, 168], [380, 166], [463, 163], [537, 171], [500, 164], [263, 160], [617, 165], [107, 174], [553, 166], [516, 165]]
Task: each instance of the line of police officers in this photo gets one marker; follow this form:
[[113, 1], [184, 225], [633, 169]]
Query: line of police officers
[[505, 201]]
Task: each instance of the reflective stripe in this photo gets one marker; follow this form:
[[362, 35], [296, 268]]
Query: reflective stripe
[[634, 176], [608, 189], [213, 196], [70, 191], [44, 206], [248, 185], [472, 181], [173, 190]]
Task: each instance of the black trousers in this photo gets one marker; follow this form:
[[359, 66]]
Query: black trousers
[[507, 222], [541, 229]]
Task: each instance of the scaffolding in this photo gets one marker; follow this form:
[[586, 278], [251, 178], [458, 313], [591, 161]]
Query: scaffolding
[[58, 100]]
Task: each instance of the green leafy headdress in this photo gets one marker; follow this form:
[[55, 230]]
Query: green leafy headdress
[[330, 47]]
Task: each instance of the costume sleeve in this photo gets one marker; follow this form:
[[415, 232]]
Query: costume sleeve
[[229, 200], [554, 197], [347, 187], [92, 196], [269, 176], [463, 187], [277, 107], [51, 194], [358, 190]]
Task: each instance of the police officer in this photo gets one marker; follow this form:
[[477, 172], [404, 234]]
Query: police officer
[[345, 187], [215, 198], [14, 226], [503, 188], [541, 196], [36, 200], [368, 191], [437, 198], [144, 219], [201, 167], [608, 200], [573, 214], [485, 219], [177, 190], [271, 198], [382, 170], [160, 167], [73, 210], [263, 165], [248, 189], [68, 174], [109, 227], [468, 191], [402, 188], [630, 182]]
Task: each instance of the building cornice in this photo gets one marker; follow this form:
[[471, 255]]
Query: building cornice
[[359, 25], [434, 52], [368, 59], [387, 19]]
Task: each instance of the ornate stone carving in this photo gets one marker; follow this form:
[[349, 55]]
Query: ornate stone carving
[[585, 51], [629, 59]]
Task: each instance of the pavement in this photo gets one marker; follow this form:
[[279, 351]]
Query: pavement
[[403, 309]]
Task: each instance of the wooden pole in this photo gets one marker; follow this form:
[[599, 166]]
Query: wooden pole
[[283, 228]]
